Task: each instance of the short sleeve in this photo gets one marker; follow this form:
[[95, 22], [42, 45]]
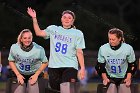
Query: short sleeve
[[101, 58], [43, 56], [80, 42], [131, 56], [11, 55], [48, 31]]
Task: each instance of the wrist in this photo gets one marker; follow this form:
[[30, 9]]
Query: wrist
[[129, 75], [104, 76], [33, 17], [82, 67], [17, 74], [36, 74], [34, 20]]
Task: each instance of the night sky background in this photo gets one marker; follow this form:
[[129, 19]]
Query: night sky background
[[93, 17]]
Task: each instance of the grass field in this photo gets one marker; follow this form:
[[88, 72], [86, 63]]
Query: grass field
[[2, 85], [90, 88]]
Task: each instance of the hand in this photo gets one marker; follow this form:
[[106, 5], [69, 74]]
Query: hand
[[31, 12], [127, 82], [81, 74], [20, 79], [33, 79], [106, 81], [0, 67]]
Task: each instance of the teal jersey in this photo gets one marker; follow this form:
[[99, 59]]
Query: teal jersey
[[27, 62], [116, 60], [63, 45]]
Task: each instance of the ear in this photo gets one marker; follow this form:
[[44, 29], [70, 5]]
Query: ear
[[21, 40], [120, 39], [72, 22]]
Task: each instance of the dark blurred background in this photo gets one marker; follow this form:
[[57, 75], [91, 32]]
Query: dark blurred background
[[93, 17]]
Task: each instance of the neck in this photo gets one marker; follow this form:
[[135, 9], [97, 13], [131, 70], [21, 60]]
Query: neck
[[67, 27], [116, 47], [26, 48]]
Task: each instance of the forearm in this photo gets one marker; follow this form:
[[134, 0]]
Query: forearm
[[129, 75], [36, 26], [80, 58], [132, 67], [104, 76], [42, 67], [14, 68]]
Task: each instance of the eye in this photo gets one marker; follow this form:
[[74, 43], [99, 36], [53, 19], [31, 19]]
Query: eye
[[64, 17], [70, 17], [24, 37]]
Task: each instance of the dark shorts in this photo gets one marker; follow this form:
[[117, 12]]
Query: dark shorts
[[12, 82], [117, 81], [12, 75], [60, 75]]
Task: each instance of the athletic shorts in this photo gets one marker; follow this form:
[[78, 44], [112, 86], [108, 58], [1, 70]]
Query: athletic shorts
[[60, 75]]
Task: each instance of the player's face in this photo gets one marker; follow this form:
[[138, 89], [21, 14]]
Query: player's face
[[26, 38], [113, 40], [67, 20]]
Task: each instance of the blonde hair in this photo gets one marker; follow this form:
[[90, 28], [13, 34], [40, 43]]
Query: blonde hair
[[21, 35], [118, 32]]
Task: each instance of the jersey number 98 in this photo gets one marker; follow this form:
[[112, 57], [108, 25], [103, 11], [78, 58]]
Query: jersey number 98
[[61, 48]]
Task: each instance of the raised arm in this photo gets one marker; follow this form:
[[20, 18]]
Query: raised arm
[[37, 29]]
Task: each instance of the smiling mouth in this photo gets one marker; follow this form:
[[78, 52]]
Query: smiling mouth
[[66, 22]]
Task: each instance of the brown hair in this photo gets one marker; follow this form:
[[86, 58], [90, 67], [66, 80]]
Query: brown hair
[[118, 32], [69, 12], [21, 35]]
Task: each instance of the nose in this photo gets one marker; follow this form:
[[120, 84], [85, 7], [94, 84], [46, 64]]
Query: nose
[[111, 41]]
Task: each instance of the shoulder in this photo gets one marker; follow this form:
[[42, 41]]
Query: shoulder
[[15, 46], [77, 32], [105, 46], [37, 46], [52, 26], [127, 46]]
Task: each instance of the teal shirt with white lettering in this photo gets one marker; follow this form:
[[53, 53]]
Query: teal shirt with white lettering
[[27, 62], [116, 60], [63, 46]]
